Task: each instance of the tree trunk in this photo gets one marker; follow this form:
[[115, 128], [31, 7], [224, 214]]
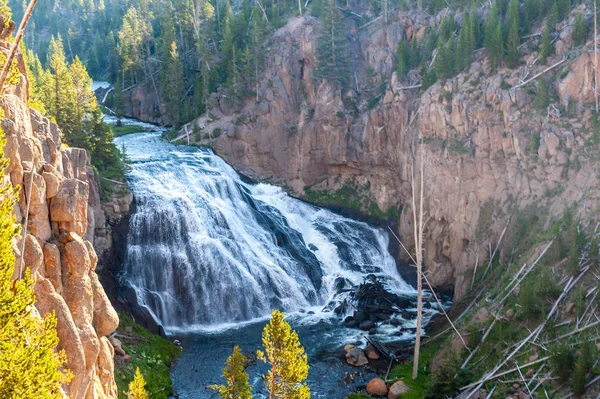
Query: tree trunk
[[596, 52], [418, 233], [15, 45], [300, 7]]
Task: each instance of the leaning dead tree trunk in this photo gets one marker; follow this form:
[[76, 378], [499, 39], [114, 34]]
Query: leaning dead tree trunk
[[596, 52], [417, 184], [15, 45]]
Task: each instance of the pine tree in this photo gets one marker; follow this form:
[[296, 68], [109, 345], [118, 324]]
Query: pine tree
[[580, 29], [173, 84], [494, 40], [289, 364], [137, 387], [332, 48], [402, 59], [513, 40], [593, 253], [257, 48], [542, 95], [546, 45], [58, 89], [30, 368], [237, 380], [444, 62], [84, 102]]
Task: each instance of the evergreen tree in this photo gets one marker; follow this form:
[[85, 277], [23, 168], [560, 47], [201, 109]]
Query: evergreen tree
[[546, 45], [402, 59], [593, 253], [580, 29], [494, 41], [542, 95], [137, 387], [257, 48], [414, 54], [332, 47], [285, 355], [173, 84], [513, 40], [444, 62], [58, 88], [237, 380]]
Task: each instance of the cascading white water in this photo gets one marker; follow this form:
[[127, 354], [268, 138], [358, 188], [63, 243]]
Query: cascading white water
[[206, 249]]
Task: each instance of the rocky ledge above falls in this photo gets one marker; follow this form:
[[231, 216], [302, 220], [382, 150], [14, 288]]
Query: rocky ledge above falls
[[65, 221]]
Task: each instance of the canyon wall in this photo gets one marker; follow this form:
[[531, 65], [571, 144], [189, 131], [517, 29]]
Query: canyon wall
[[477, 132], [64, 219]]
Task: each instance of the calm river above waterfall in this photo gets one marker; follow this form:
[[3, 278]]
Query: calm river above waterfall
[[209, 255]]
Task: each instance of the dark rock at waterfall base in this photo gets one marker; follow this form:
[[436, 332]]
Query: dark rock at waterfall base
[[366, 325], [395, 322], [351, 324], [373, 331], [361, 315]]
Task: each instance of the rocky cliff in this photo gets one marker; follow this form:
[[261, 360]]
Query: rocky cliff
[[478, 132], [59, 203]]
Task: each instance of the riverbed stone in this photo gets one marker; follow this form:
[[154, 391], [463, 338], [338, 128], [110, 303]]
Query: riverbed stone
[[355, 356], [397, 388], [377, 387]]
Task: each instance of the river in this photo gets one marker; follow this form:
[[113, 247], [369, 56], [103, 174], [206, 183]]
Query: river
[[210, 254]]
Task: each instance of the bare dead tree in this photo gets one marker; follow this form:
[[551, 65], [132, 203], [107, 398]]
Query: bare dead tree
[[417, 183], [15, 45], [300, 7], [596, 52]]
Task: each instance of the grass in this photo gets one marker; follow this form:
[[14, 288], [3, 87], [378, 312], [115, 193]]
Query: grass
[[420, 386], [151, 353]]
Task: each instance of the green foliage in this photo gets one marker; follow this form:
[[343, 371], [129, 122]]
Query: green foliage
[[493, 38], [29, 366], [546, 47], [593, 253], [513, 41], [449, 379], [539, 287], [137, 387], [64, 93], [581, 29], [151, 354], [562, 360], [534, 143], [237, 380], [332, 47], [286, 358], [542, 95], [359, 395], [402, 58]]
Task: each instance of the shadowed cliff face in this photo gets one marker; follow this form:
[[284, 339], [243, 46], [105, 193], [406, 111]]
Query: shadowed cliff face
[[64, 215], [476, 130]]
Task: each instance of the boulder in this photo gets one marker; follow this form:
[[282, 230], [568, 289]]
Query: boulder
[[371, 352], [33, 257], [52, 266], [355, 356], [397, 388], [366, 325], [377, 387], [68, 208]]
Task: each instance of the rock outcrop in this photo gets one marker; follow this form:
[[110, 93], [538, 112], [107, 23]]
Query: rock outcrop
[[478, 133], [61, 188]]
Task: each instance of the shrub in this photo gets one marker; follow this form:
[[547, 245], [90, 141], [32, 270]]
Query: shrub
[[562, 360]]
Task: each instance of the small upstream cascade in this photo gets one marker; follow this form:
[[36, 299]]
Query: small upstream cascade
[[207, 250]]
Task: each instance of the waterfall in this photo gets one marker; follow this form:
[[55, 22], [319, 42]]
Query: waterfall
[[207, 249]]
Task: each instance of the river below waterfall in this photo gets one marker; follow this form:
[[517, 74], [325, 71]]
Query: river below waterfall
[[209, 255]]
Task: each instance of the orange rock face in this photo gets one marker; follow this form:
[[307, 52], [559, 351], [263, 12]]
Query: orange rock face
[[67, 283]]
